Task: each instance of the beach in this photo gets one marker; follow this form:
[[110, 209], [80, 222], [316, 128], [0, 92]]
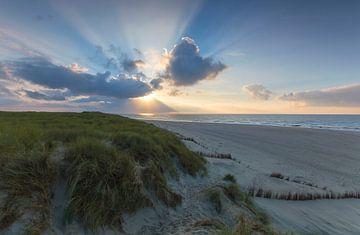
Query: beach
[[311, 161]]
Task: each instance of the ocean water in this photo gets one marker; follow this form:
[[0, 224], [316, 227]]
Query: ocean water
[[333, 122]]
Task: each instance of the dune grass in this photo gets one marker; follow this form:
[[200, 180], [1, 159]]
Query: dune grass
[[113, 165], [214, 196], [26, 179], [258, 223], [230, 177], [244, 226]]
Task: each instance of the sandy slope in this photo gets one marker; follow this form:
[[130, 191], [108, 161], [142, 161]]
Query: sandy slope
[[329, 160], [322, 216]]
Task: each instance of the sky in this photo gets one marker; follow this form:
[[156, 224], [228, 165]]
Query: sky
[[186, 56]]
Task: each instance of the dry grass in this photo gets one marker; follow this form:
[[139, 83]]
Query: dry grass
[[209, 223], [246, 226]]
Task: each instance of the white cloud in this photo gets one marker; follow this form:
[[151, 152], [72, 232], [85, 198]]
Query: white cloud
[[257, 91], [348, 95], [77, 68]]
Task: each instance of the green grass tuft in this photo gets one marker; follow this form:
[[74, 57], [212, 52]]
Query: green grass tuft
[[229, 177], [233, 192]]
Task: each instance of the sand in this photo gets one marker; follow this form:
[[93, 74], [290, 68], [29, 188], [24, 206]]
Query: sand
[[315, 160]]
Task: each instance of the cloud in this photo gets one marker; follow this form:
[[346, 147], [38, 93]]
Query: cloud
[[138, 52], [113, 59], [77, 68], [41, 71], [175, 92], [3, 74], [156, 83], [235, 54], [106, 104], [130, 65], [41, 96], [101, 58], [257, 91], [348, 95], [12, 45], [4, 91], [187, 67], [116, 50]]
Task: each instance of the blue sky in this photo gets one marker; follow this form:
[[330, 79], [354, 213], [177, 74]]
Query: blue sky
[[286, 56]]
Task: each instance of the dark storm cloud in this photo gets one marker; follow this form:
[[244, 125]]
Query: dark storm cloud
[[339, 96], [42, 72], [187, 67], [258, 92]]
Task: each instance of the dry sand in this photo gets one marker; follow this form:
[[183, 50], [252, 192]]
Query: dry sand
[[329, 160]]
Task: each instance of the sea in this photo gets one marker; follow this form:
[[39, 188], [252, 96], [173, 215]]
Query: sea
[[332, 122]]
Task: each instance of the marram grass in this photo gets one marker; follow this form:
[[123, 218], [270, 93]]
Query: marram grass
[[113, 165]]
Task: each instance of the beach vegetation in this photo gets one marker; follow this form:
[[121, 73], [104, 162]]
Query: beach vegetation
[[230, 177], [111, 165], [214, 196]]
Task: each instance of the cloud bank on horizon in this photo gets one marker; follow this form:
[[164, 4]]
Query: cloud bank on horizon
[[55, 55], [337, 96]]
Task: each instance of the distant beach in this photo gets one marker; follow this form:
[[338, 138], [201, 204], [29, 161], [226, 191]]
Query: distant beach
[[285, 160]]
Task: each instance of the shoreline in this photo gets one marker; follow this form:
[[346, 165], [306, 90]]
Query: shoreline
[[251, 124], [357, 132]]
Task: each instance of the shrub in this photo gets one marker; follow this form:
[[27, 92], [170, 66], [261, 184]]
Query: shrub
[[229, 177]]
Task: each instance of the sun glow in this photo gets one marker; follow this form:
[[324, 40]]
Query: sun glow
[[147, 98]]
